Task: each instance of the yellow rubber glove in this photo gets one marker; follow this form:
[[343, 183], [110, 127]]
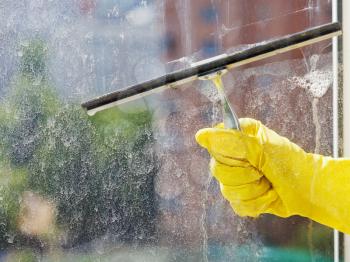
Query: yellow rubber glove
[[262, 172]]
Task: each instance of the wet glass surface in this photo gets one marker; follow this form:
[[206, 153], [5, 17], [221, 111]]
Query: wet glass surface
[[130, 183]]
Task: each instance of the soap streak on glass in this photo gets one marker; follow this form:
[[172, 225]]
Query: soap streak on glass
[[231, 122], [204, 219], [316, 82]]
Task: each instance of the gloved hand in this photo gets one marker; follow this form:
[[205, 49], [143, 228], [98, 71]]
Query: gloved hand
[[262, 172]]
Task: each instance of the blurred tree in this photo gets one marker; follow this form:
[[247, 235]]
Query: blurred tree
[[128, 168], [98, 171], [33, 62], [65, 169], [102, 182], [12, 185], [28, 105], [24, 111]]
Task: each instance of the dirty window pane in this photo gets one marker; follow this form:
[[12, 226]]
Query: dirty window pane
[[130, 183]]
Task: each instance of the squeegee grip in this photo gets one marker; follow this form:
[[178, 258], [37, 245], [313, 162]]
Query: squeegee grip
[[229, 116]]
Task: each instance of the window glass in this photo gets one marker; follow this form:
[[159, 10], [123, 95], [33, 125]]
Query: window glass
[[130, 183]]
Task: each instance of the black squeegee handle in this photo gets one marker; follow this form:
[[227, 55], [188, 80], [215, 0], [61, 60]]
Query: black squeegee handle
[[252, 54]]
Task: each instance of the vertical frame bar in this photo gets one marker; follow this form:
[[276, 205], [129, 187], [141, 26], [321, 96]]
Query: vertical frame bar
[[346, 99], [335, 68]]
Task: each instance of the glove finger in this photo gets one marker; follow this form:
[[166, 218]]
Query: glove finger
[[246, 192], [229, 161], [220, 125], [248, 126], [255, 207], [230, 144], [240, 174]]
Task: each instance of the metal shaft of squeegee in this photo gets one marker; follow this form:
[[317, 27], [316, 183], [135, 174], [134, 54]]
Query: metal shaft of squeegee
[[230, 118]]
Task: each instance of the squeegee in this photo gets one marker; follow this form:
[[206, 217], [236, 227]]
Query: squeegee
[[211, 69]]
